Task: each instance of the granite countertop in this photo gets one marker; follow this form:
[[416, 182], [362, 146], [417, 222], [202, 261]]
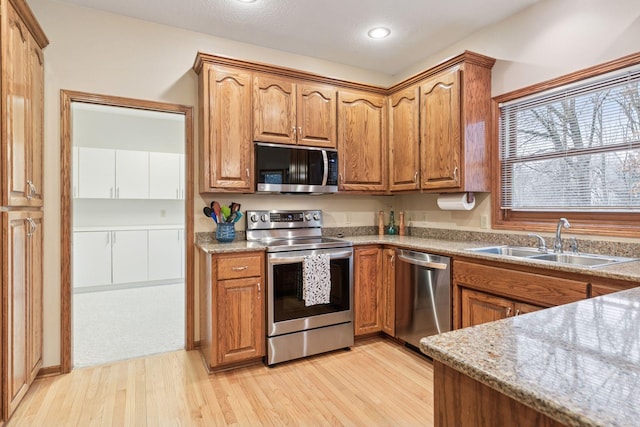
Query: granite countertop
[[577, 363], [622, 271]]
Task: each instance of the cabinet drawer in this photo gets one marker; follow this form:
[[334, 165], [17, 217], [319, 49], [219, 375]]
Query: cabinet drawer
[[529, 287], [232, 267]]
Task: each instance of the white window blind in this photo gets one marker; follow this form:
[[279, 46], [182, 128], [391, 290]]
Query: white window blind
[[575, 148]]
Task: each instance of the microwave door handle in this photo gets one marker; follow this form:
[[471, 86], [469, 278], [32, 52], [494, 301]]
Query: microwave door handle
[[325, 174]]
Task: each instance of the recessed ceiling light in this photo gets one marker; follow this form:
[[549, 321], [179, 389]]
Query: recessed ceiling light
[[379, 32]]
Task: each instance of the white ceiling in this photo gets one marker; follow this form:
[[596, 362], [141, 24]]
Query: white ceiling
[[333, 30]]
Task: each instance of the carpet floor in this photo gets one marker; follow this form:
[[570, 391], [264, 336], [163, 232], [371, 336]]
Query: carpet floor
[[127, 323]]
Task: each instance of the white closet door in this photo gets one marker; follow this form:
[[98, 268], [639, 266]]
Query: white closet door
[[132, 174], [164, 175], [165, 254], [129, 256], [96, 173], [91, 258]]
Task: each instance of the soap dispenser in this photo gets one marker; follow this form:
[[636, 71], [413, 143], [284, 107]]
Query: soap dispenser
[[392, 229]]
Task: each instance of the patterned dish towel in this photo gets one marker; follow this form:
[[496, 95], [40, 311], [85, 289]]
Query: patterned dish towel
[[316, 279]]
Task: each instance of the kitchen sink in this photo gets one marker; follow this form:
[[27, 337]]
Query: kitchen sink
[[585, 260], [578, 259], [516, 251]]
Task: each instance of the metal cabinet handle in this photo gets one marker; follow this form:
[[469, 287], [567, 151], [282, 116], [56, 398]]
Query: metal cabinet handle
[[294, 132], [415, 177], [247, 171], [299, 131], [259, 290], [244, 267], [30, 191], [455, 173], [508, 311], [517, 312]]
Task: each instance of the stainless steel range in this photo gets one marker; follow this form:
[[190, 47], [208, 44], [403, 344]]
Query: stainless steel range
[[309, 281]]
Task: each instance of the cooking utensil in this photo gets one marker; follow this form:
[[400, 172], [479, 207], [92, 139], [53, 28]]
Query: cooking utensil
[[235, 208], [207, 211], [238, 216], [216, 210]]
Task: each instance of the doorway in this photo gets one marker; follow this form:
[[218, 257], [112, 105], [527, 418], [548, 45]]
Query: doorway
[[127, 226]]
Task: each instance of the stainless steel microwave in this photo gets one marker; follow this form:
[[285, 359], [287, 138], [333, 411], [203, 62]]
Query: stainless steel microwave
[[295, 169]]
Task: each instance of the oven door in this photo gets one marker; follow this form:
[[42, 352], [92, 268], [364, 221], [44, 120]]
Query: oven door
[[287, 311]]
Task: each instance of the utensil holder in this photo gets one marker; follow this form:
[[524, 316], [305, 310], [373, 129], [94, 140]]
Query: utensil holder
[[226, 232]]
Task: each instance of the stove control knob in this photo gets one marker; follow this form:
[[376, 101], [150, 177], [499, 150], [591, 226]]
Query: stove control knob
[[264, 217], [307, 217], [254, 218], [316, 216]]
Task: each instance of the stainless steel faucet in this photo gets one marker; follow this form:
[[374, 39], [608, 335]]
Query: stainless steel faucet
[[542, 247], [557, 242]]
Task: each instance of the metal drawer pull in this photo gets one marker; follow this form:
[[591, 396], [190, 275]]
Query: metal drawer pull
[[508, 311], [240, 268]]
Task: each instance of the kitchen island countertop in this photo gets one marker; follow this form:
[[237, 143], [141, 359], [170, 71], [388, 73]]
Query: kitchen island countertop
[[577, 363]]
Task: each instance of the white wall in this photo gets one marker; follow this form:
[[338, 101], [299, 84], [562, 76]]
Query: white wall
[[107, 54]]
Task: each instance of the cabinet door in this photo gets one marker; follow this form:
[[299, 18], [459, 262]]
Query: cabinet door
[[15, 111], [316, 115], [35, 253], [240, 319], [389, 291], [274, 110], [404, 140], [165, 254], [91, 258], [182, 176], [367, 290], [96, 173], [164, 176], [478, 307], [226, 127], [362, 141], [129, 256], [16, 232], [523, 308], [132, 174], [74, 172], [36, 114], [440, 132]]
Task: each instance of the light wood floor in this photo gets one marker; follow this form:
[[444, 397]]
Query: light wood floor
[[377, 383]]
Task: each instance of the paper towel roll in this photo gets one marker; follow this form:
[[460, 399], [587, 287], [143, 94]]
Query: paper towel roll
[[455, 202]]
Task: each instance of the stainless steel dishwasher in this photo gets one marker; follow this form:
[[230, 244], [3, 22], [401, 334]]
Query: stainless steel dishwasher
[[423, 295]]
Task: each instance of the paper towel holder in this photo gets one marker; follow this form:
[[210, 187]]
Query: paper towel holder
[[470, 197]]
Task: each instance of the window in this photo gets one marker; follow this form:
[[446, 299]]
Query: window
[[572, 150]]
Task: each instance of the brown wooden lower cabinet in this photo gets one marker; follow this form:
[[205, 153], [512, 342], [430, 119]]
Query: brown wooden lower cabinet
[[232, 308], [367, 290], [484, 293], [389, 291], [464, 402], [22, 308], [480, 307]]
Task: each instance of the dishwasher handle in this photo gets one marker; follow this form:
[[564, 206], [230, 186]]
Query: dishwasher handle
[[422, 263]]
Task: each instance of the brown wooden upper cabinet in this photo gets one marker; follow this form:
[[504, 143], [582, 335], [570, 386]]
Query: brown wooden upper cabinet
[[287, 112], [439, 124], [362, 141], [404, 140], [225, 129], [23, 96]]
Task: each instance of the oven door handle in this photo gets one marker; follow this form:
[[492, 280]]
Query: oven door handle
[[297, 259]]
